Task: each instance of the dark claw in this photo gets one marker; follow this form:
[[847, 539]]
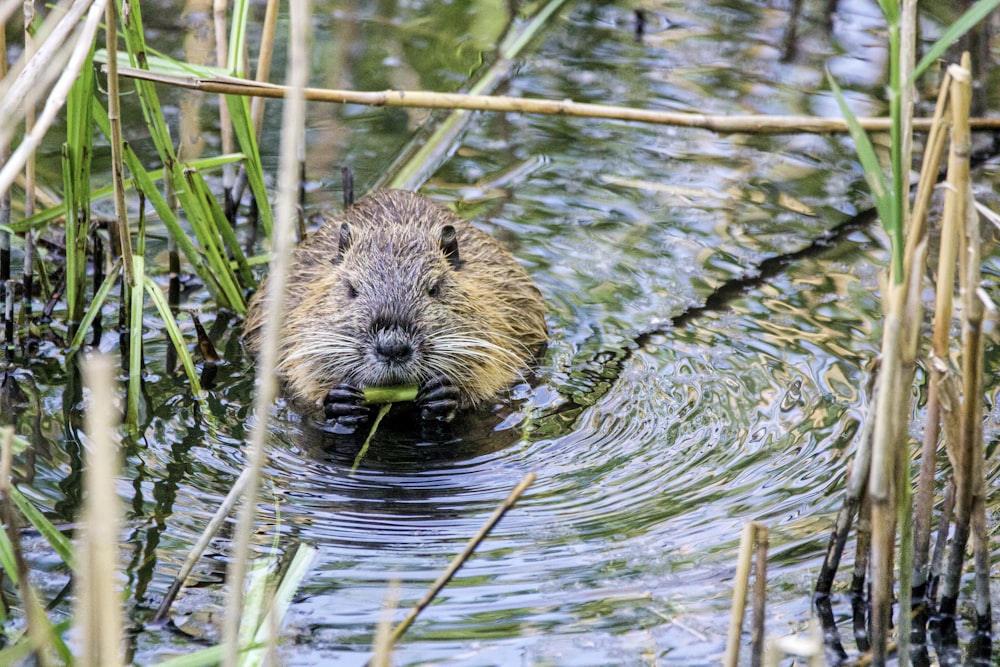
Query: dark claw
[[345, 405], [438, 399]]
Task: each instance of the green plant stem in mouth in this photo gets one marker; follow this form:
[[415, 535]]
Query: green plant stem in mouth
[[396, 394]]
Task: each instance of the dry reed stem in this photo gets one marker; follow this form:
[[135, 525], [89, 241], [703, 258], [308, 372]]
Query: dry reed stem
[[264, 58], [752, 123], [382, 643], [98, 612], [221, 57], [292, 145], [34, 72], [972, 361], [117, 168], [55, 101], [741, 582], [924, 500], [7, 9], [460, 559], [890, 469], [969, 408], [933, 154], [4, 156], [761, 538], [857, 484]]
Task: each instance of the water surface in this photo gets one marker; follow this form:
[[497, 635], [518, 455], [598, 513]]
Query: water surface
[[653, 442]]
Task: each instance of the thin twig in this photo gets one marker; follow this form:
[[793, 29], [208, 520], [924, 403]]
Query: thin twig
[[751, 123], [203, 541], [460, 559], [293, 140]]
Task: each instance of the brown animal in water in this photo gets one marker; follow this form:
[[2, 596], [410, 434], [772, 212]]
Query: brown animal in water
[[398, 290]]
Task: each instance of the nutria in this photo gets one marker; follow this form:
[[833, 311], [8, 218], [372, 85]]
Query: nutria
[[398, 290]]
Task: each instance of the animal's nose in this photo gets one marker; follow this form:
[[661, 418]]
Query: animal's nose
[[393, 345]]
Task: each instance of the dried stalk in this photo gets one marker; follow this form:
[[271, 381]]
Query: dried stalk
[[292, 144], [924, 500], [55, 101], [33, 74], [199, 547], [741, 582], [460, 559], [225, 123], [264, 57], [117, 168], [857, 484], [751, 123], [4, 156], [961, 452], [759, 595], [98, 611]]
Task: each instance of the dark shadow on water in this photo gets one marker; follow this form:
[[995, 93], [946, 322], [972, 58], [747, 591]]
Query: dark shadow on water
[[403, 443]]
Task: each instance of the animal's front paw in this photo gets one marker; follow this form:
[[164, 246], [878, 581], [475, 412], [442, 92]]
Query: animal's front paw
[[437, 399], [345, 405]]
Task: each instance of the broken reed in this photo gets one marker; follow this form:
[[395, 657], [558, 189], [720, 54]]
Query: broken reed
[[879, 488]]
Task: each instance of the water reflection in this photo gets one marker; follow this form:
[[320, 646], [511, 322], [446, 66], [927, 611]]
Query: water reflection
[[656, 426]]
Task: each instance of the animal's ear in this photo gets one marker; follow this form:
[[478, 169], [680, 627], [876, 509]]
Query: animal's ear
[[343, 243], [449, 245]]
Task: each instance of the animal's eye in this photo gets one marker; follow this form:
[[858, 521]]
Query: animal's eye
[[434, 290], [352, 292]]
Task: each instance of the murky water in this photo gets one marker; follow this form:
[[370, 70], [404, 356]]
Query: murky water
[[651, 449]]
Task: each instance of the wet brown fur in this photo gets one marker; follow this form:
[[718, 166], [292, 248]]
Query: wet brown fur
[[478, 324]]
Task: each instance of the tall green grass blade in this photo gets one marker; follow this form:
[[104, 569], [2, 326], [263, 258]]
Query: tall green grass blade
[[238, 37], [17, 653], [22, 648], [174, 331], [79, 149], [94, 309], [200, 205], [135, 46], [198, 215], [144, 183], [135, 345], [203, 658], [894, 226], [43, 218], [59, 542], [885, 203], [7, 561], [964, 24], [246, 137], [239, 112], [158, 62], [290, 582]]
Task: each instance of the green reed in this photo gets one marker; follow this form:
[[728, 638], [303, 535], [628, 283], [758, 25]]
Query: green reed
[[889, 484]]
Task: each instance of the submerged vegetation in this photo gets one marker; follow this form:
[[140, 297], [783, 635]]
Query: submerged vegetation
[[212, 231]]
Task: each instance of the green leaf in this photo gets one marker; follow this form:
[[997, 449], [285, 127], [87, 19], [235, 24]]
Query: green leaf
[[874, 174], [174, 331], [7, 558], [95, 307], [965, 22], [59, 542]]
